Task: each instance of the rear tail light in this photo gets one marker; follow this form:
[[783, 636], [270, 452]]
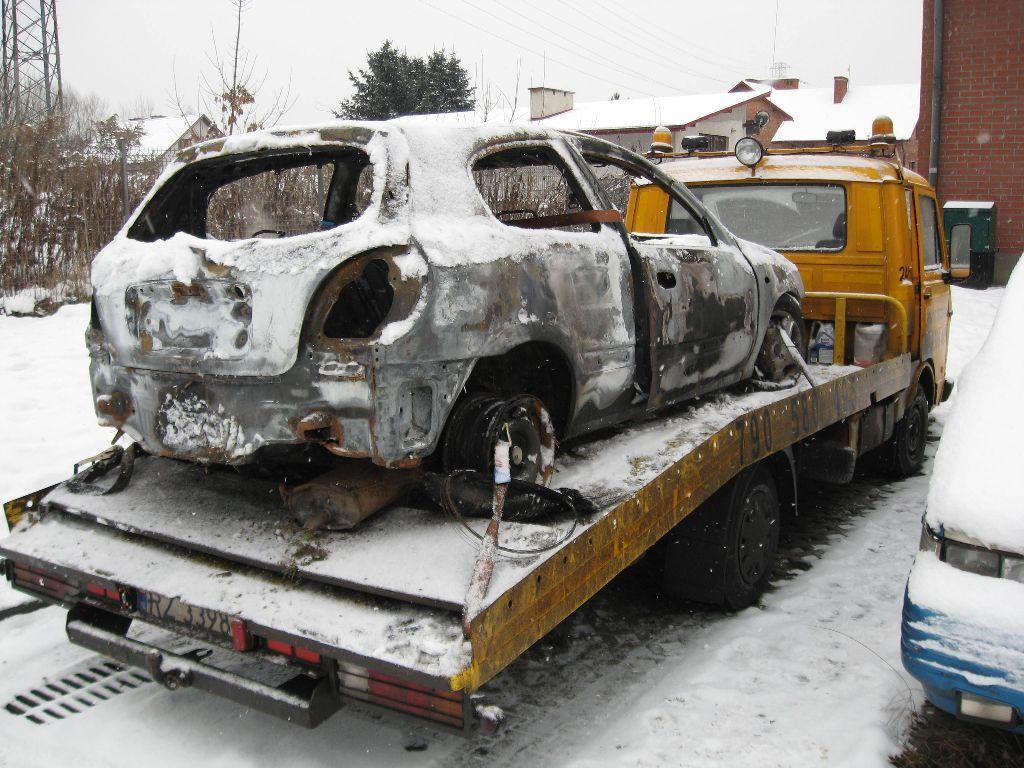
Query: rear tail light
[[240, 637], [49, 585], [295, 651], [446, 707], [104, 593]]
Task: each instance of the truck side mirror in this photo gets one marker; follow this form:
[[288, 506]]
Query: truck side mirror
[[960, 251]]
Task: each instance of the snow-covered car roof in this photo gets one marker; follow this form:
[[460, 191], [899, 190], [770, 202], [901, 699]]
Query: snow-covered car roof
[[340, 131], [975, 485]]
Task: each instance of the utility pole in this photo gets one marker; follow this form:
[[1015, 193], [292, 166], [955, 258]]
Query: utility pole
[[30, 82]]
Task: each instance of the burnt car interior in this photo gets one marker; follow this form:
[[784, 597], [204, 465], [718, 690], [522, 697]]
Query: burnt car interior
[[531, 188], [244, 196]]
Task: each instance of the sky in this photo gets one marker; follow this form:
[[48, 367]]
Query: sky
[[130, 52]]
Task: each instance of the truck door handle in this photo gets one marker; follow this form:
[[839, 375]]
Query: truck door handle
[[928, 293], [666, 279]]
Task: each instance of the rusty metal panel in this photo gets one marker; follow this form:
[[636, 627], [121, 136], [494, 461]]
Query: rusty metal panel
[[563, 582]]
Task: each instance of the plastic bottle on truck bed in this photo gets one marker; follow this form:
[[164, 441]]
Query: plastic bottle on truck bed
[[822, 348]]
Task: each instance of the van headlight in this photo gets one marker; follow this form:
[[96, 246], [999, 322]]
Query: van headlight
[[972, 557], [983, 562]]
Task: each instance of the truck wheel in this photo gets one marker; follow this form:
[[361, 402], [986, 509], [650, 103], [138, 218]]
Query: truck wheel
[[773, 360], [908, 443], [753, 540], [723, 553], [479, 421]]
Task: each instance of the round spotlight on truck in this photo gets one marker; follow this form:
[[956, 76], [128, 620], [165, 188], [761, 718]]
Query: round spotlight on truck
[[749, 151]]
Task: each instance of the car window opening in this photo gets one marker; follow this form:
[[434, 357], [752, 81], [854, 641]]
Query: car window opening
[[275, 196], [615, 179], [530, 188]]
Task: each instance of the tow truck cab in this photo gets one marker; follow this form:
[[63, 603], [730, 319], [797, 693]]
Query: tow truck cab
[[853, 220]]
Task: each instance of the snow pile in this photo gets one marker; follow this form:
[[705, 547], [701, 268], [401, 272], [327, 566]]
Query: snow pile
[[973, 490], [38, 300]]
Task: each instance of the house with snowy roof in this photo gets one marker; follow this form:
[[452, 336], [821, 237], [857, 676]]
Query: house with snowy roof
[[162, 137], [779, 112], [813, 112], [722, 117]]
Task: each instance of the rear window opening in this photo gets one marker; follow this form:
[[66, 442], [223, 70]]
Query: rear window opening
[[268, 196]]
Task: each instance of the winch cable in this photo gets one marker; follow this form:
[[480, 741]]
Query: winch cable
[[568, 502]]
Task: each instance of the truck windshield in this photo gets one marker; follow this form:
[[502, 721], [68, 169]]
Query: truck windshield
[[788, 217]]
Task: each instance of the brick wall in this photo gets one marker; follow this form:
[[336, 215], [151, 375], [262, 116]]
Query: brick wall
[[981, 127]]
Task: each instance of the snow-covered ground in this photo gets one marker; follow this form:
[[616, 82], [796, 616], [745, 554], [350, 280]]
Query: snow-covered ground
[[811, 676]]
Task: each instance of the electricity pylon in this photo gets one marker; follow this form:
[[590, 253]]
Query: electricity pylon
[[30, 87]]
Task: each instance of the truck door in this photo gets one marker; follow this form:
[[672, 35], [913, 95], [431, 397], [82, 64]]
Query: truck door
[[936, 307]]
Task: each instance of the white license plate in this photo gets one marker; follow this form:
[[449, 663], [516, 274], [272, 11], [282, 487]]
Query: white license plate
[[171, 610]]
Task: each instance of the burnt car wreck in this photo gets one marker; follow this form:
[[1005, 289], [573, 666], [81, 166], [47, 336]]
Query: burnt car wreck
[[396, 292]]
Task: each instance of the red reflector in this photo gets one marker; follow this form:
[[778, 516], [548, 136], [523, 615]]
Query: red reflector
[[95, 589], [310, 656], [279, 647], [240, 637]]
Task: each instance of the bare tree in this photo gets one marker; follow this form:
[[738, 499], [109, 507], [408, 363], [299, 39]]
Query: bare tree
[[229, 91]]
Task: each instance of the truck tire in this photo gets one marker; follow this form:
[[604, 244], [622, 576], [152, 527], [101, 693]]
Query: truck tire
[[480, 420], [773, 360], [906, 448], [724, 552]]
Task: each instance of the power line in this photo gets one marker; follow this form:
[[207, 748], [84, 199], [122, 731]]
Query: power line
[[598, 61], [530, 50], [676, 43], [660, 62]]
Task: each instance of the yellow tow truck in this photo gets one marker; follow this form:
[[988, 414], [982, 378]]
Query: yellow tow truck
[[866, 235]]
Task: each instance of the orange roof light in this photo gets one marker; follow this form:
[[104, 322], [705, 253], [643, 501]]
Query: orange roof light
[[882, 130], [661, 141]]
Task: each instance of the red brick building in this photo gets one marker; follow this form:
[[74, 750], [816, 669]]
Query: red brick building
[[981, 112]]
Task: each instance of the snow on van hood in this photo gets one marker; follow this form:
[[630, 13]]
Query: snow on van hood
[[976, 484]]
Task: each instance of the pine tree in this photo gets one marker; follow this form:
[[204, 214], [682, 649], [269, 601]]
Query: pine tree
[[394, 84]]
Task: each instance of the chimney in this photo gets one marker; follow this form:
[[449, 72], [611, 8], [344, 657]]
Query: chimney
[[786, 83], [545, 102], [839, 87]]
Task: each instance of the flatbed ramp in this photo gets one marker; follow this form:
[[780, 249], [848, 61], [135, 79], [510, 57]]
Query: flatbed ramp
[[389, 594]]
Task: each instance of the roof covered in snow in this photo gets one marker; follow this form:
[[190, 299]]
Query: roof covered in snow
[[832, 166], [814, 113], [160, 133], [612, 115]]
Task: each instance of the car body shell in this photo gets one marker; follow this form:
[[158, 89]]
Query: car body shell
[[256, 368]]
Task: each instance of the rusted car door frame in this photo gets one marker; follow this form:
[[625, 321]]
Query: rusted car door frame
[[674, 277]]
